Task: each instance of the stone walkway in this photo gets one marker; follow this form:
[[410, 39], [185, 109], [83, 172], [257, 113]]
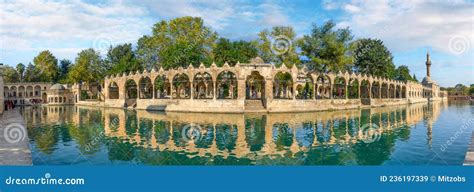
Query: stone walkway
[[469, 160], [14, 146]]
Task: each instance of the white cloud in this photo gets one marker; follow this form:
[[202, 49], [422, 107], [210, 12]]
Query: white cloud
[[37, 24], [405, 25]]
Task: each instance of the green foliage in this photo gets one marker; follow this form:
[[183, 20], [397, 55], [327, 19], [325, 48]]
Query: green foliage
[[9, 74], [403, 73], [47, 64], [176, 43], [372, 57], [20, 69], [471, 89], [278, 46], [326, 48], [414, 78], [233, 52], [87, 68], [33, 74], [64, 67], [121, 58]]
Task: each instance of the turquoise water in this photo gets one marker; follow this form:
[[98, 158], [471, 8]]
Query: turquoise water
[[421, 134]]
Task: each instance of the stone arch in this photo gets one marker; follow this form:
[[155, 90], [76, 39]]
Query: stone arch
[[339, 88], [37, 91], [305, 88], [391, 91], [353, 89], [203, 86], [375, 90], [403, 92], [44, 97], [13, 91], [227, 85], [398, 92], [283, 86], [384, 91], [113, 90], [162, 87], [131, 89], [21, 91], [146, 88], [6, 92], [29, 91], [365, 89], [255, 86], [323, 87], [181, 86]]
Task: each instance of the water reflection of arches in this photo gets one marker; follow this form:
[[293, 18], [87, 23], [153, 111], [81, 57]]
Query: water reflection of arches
[[248, 137], [255, 86]]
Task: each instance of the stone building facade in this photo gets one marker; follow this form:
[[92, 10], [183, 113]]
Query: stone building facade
[[245, 87]]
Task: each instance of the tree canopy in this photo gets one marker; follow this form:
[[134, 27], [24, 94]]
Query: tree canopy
[[326, 48], [233, 51], [87, 68], [372, 57], [278, 46], [121, 58], [47, 64]]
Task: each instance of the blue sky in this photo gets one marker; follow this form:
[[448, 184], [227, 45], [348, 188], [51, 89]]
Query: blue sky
[[408, 28]]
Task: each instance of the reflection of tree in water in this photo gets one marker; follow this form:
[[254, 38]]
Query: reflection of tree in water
[[305, 134], [131, 122], [162, 131], [206, 132], [114, 122], [145, 129], [282, 135], [255, 132], [120, 150], [226, 136], [46, 137]]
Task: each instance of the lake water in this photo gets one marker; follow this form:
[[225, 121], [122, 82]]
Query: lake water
[[420, 134]]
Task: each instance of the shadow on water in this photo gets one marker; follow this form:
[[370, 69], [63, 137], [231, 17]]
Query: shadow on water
[[88, 135]]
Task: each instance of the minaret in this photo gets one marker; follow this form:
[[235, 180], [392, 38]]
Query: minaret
[[428, 63]]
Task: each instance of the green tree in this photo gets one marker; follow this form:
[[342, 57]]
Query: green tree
[[414, 78], [233, 52], [121, 58], [403, 73], [372, 57], [460, 89], [327, 49], [176, 43], [47, 64], [9, 74], [88, 67], [278, 46], [471, 89], [20, 69], [32, 73], [64, 67]]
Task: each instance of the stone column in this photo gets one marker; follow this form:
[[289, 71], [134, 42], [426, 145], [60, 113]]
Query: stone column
[[214, 91]]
